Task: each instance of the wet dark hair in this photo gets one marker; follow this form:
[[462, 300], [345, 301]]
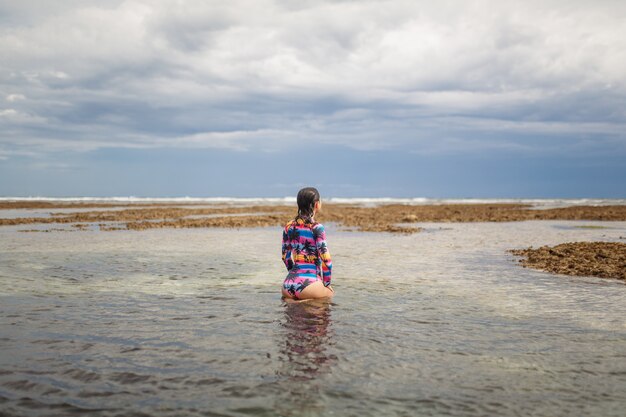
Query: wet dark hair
[[307, 197]]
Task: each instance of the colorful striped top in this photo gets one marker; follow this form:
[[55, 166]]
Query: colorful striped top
[[304, 248]]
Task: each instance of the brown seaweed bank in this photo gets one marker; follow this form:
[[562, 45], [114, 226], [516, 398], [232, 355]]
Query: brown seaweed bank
[[600, 259]]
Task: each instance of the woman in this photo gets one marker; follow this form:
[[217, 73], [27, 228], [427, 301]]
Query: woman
[[305, 252]]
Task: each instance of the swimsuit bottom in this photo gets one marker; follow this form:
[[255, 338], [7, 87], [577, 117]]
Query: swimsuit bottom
[[299, 277]]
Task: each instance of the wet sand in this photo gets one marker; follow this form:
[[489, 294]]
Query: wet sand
[[600, 259]]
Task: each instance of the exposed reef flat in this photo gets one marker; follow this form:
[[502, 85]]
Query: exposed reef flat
[[600, 259], [394, 218]]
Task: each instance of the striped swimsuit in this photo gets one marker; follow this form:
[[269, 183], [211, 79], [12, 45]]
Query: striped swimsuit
[[305, 255]]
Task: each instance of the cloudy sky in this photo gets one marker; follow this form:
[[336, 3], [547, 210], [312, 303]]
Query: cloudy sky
[[360, 98]]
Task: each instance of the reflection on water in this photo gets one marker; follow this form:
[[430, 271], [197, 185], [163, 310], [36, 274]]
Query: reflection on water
[[303, 356], [307, 340]]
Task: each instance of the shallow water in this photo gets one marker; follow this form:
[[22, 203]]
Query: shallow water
[[190, 322]]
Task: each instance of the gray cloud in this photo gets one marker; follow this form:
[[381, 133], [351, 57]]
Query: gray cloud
[[421, 76]]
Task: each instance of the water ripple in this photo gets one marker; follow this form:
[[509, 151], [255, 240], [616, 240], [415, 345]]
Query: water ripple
[[189, 322]]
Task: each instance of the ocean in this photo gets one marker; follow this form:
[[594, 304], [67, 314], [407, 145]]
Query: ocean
[[538, 202], [171, 322]]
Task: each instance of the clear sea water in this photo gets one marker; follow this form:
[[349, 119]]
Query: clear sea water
[[178, 322]]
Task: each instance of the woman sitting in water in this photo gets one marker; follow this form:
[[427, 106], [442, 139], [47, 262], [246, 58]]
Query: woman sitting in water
[[305, 252]]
